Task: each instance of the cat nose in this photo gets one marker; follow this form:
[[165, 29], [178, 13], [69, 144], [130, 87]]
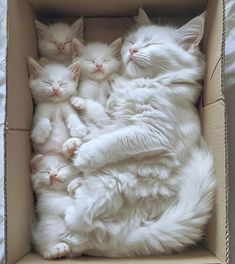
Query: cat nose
[[53, 175], [60, 47], [99, 66], [55, 90], [133, 50]]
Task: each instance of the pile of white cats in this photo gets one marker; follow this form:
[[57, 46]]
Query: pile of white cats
[[119, 168]]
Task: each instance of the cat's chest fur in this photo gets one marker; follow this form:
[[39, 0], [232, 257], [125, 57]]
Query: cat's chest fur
[[95, 90]]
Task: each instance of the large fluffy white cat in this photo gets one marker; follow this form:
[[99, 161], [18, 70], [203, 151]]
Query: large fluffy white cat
[[52, 179], [148, 185], [55, 41], [55, 120]]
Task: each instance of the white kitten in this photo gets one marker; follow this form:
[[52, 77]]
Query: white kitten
[[99, 65], [52, 177], [55, 40], [55, 120], [159, 134]]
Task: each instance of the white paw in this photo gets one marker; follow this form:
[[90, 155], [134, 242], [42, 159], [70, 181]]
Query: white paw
[[73, 185], [78, 103], [70, 146], [41, 133], [58, 250], [79, 131]]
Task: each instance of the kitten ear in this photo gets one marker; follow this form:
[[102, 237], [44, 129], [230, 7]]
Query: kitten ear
[[116, 46], [191, 33], [35, 161], [35, 69], [42, 29], [75, 70], [142, 19], [77, 48], [78, 28]]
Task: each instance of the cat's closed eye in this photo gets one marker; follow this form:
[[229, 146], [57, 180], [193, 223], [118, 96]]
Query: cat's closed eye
[[67, 42], [45, 172], [90, 60], [63, 84], [48, 83], [107, 60], [130, 41]]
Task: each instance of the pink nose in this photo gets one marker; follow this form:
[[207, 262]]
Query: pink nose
[[99, 66], [133, 50], [60, 48], [55, 90]]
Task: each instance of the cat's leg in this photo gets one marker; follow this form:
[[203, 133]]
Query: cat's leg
[[74, 123], [78, 103], [131, 141], [96, 113], [48, 237], [42, 124]]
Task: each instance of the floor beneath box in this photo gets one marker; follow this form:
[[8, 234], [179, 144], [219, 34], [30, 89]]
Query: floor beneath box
[[196, 255]]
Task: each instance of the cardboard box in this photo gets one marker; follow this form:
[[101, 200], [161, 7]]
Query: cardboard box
[[105, 20]]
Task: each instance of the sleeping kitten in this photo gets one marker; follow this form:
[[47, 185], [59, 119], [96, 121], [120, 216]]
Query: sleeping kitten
[[55, 120], [99, 65], [55, 40], [52, 176], [150, 182]]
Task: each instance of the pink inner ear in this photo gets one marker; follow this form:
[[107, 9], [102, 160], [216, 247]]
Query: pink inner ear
[[35, 161]]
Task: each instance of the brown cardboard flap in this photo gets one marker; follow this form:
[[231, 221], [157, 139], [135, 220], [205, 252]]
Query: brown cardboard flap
[[197, 255], [19, 195], [212, 41], [116, 7], [213, 123], [21, 44]]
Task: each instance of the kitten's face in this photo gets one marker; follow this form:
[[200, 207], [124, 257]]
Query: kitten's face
[[55, 40], [51, 172], [99, 60], [54, 82], [152, 50]]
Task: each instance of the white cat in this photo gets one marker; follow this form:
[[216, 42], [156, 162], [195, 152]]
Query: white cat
[[55, 41], [55, 120], [99, 65], [52, 179], [130, 173]]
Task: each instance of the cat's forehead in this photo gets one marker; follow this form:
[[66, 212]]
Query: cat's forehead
[[60, 31], [52, 162], [56, 72], [98, 50], [153, 33]]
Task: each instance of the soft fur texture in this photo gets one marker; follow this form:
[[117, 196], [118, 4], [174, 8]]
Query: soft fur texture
[[148, 184], [52, 179], [55, 120], [99, 65], [55, 41]]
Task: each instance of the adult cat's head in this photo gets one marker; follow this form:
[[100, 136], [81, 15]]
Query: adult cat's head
[[51, 172], [54, 82], [55, 40], [98, 60], [152, 49]]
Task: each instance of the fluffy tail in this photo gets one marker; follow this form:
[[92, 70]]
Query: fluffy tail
[[183, 223]]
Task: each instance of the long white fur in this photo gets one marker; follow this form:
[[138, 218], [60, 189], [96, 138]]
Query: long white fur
[[148, 185], [50, 235], [55, 120], [53, 37]]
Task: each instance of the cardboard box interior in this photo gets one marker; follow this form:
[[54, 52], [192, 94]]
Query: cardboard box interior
[[105, 20]]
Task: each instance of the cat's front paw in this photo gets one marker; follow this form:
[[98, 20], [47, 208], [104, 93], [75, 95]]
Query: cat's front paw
[[78, 131], [70, 146], [78, 103], [58, 250], [73, 185], [41, 133]]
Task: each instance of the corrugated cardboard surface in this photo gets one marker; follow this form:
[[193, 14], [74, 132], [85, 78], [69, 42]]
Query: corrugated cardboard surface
[[19, 109], [19, 194], [197, 255]]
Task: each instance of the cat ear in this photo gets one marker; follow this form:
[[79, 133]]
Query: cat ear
[[78, 28], [42, 29], [35, 69], [75, 70], [35, 161], [116, 46], [142, 19], [77, 48], [191, 33]]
